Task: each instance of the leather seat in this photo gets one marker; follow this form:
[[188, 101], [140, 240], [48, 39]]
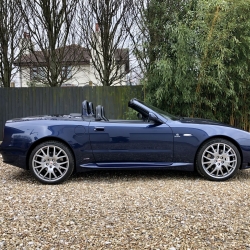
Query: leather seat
[[91, 109], [100, 114], [103, 114], [85, 108]]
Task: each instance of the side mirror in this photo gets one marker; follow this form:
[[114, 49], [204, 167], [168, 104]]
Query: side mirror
[[153, 117], [139, 116]]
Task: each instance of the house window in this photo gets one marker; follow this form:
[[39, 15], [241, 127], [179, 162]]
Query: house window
[[66, 72], [38, 73]]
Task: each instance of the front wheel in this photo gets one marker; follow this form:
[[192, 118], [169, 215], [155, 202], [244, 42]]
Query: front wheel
[[218, 160], [51, 162]]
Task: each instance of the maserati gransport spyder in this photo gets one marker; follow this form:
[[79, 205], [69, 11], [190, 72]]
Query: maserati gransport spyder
[[52, 147]]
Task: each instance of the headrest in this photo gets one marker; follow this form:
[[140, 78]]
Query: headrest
[[85, 108], [98, 112]]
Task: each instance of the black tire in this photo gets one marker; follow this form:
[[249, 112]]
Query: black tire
[[51, 162], [218, 160]]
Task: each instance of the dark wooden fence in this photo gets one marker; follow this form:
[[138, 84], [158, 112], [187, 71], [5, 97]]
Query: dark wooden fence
[[23, 102]]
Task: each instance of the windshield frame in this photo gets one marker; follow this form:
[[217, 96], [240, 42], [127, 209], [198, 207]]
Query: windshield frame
[[162, 113]]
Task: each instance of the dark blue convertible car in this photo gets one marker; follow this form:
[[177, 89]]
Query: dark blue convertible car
[[52, 147]]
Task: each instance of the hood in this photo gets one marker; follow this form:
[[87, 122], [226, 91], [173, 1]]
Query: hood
[[202, 121]]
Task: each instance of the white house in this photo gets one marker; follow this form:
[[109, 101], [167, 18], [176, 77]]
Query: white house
[[78, 67]]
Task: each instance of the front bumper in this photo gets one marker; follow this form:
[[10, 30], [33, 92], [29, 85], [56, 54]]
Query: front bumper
[[13, 156], [245, 165], [15, 160]]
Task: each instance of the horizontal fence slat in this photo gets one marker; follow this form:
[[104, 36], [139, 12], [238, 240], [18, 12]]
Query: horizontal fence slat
[[23, 102]]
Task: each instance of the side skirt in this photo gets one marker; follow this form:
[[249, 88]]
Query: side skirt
[[136, 165]]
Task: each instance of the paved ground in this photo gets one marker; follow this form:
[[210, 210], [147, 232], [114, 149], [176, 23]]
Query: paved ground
[[124, 210]]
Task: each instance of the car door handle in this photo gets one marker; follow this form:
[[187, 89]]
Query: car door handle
[[99, 128]]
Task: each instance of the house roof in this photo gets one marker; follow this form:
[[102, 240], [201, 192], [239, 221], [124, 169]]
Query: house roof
[[71, 54]]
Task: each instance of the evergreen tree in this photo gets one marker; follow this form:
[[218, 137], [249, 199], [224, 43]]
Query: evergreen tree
[[201, 67]]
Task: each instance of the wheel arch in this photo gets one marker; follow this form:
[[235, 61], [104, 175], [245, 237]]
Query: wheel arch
[[49, 138], [220, 137]]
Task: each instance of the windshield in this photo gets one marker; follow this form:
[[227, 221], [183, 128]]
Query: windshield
[[161, 112]]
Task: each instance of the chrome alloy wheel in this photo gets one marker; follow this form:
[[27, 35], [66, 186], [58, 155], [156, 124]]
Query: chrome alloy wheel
[[50, 163], [219, 160]]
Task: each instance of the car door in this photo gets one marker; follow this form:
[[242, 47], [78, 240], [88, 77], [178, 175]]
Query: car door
[[131, 141]]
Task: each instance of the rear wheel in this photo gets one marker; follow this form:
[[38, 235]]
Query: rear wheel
[[218, 160], [51, 162]]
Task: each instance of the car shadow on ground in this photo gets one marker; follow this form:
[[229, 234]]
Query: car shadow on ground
[[113, 175], [133, 175], [145, 175], [20, 175]]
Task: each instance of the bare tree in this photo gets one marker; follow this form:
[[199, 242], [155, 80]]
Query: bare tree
[[139, 34], [11, 28], [51, 26], [103, 28]]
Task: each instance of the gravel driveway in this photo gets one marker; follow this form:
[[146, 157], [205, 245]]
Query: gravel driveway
[[124, 210]]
